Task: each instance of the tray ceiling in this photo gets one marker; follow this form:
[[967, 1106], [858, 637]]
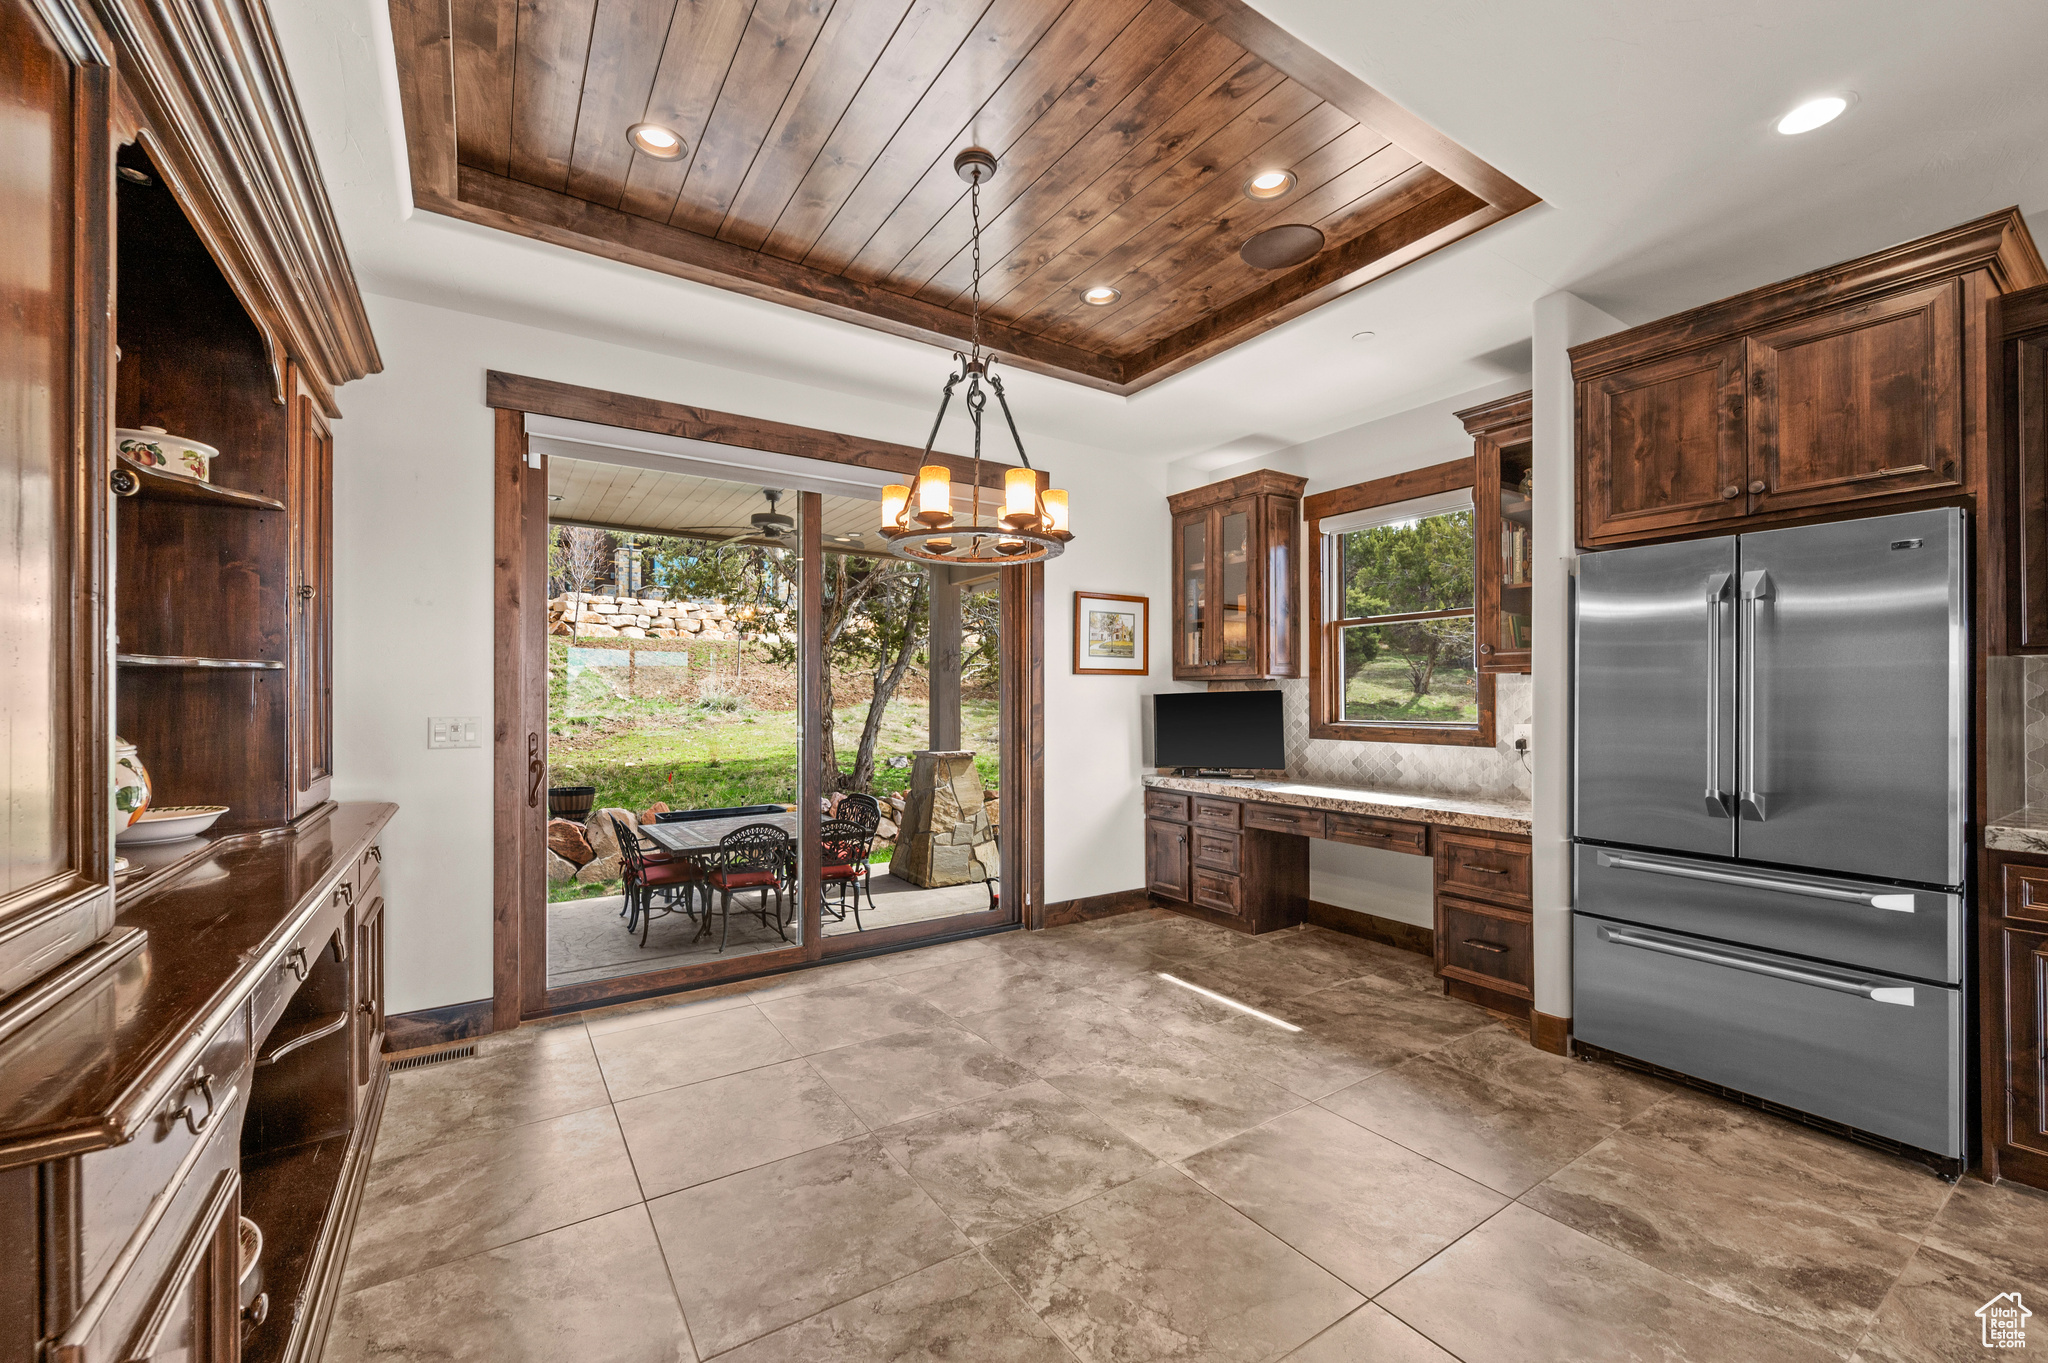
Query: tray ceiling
[[819, 141]]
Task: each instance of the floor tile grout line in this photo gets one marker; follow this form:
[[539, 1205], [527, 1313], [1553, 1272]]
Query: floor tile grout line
[[981, 1251], [492, 1249], [668, 1271]]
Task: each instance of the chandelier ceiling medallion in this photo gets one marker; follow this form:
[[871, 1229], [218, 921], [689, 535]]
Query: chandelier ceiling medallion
[[1030, 526]]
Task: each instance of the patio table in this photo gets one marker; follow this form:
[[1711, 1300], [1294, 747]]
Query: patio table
[[699, 836]]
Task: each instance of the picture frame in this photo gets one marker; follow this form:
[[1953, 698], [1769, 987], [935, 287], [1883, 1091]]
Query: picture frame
[[1112, 635]]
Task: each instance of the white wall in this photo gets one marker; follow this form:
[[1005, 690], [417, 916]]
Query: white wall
[[413, 612]]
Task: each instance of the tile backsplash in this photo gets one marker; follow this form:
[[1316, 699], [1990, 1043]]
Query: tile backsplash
[[2034, 744], [1498, 773]]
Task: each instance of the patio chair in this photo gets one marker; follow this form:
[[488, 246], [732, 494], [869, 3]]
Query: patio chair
[[843, 869], [645, 876], [863, 809], [756, 857]]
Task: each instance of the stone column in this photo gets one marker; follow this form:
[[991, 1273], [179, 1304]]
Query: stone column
[[945, 837], [944, 652]]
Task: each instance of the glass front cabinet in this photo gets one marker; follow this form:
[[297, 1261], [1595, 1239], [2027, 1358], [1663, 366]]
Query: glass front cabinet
[[1236, 572], [1502, 489]]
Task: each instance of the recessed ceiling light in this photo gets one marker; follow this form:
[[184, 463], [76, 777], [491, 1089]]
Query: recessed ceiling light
[[664, 144], [1101, 296], [1363, 335], [1812, 114], [1269, 184]]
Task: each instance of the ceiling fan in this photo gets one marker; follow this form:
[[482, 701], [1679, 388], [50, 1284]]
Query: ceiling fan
[[771, 529]]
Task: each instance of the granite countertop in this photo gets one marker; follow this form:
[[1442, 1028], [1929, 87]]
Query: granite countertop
[[1451, 811], [2023, 830]]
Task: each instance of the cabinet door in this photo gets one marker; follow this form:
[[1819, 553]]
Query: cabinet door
[[1280, 571], [1857, 402], [55, 839], [1191, 648], [1166, 859], [312, 713], [1502, 515], [2024, 963], [197, 1317], [370, 989], [2026, 362], [1661, 445], [1237, 586]]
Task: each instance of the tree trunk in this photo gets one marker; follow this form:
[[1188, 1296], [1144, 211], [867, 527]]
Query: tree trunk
[[863, 776]]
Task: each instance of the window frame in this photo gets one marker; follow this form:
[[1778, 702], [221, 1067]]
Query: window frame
[[1325, 667]]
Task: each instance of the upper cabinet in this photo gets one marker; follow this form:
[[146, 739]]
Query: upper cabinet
[[2024, 328], [1503, 507], [1846, 388], [1236, 578]]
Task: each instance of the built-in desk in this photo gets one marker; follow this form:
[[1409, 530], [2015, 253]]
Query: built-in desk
[[1236, 853]]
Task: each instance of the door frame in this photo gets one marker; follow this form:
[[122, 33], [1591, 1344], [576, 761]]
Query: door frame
[[519, 691]]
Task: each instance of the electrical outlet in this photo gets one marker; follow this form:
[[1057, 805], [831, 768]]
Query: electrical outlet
[[1520, 737], [445, 732]]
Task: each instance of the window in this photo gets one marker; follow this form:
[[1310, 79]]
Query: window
[[1394, 599]]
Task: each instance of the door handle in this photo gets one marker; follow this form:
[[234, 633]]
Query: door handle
[[536, 771], [1753, 803], [1840, 984], [1717, 592], [1898, 903]]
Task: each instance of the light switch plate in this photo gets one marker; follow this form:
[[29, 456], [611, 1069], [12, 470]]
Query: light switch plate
[[454, 732]]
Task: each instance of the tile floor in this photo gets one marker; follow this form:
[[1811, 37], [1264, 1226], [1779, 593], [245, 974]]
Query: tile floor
[[1031, 1148]]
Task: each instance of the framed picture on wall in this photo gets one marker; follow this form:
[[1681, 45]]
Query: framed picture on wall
[[1112, 634]]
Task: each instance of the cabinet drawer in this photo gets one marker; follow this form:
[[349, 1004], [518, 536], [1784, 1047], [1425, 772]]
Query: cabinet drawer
[[1395, 835], [1217, 851], [2026, 892], [282, 980], [1491, 868], [1218, 891], [117, 1185], [1306, 823], [1485, 945], [1166, 804], [1211, 812]]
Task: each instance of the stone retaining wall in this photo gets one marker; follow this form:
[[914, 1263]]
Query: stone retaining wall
[[585, 616]]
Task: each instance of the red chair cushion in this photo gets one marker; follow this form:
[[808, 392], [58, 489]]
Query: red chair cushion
[[839, 870], [733, 880], [669, 873]]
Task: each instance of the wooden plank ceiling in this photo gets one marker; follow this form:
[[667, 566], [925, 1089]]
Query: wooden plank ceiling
[[632, 500], [820, 138]]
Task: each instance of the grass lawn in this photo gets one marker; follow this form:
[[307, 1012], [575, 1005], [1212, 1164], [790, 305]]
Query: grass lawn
[[693, 755], [1383, 690]]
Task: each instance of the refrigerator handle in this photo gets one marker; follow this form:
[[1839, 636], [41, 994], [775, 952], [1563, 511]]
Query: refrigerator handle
[[1753, 802], [1666, 946], [1717, 592], [1897, 902]]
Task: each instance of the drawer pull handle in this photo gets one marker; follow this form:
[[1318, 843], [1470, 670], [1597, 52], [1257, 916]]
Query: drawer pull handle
[[1869, 989], [377, 854], [346, 893], [202, 1081], [1494, 947], [258, 1311], [328, 1028], [297, 962], [1482, 870]]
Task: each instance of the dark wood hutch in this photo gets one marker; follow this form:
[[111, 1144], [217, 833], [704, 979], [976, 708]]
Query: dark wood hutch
[[190, 1044], [1503, 514], [1236, 575]]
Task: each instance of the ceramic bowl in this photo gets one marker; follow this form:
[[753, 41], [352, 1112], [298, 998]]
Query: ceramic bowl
[[153, 447], [170, 823]]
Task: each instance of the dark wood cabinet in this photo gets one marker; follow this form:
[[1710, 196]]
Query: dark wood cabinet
[[197, 1317], [1661, 445], [2023, 329], [1485, 950], [1503, 519], [1857, 402], [1167, 859], [369, 994], [1235, 574], [1858, 388], [312, 671], [2013, 983]]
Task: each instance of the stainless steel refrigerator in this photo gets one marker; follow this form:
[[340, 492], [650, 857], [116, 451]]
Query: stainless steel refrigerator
[[1770, 788]]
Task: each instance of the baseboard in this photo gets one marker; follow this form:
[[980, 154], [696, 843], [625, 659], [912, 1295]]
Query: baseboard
[[1492, 1000], [436, 1026], [1095, 906], [1548, 1032], [1387, 931]]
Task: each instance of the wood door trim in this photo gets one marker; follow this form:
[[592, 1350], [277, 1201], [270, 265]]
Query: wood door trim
[[519, 844], [1448, 476], [658, 416]]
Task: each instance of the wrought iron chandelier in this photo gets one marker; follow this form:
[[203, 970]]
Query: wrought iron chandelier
[[1031, 525]]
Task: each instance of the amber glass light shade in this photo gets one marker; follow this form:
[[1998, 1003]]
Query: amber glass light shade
[[1056, 509], [894, 498], [1020, 497], [935, 494]]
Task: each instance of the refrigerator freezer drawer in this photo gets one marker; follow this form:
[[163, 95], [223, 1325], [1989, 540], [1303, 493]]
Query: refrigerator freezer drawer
[[1874, 927], [1870, 1051]]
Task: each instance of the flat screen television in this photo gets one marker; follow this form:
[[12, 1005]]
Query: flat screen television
[[1236, 729]]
